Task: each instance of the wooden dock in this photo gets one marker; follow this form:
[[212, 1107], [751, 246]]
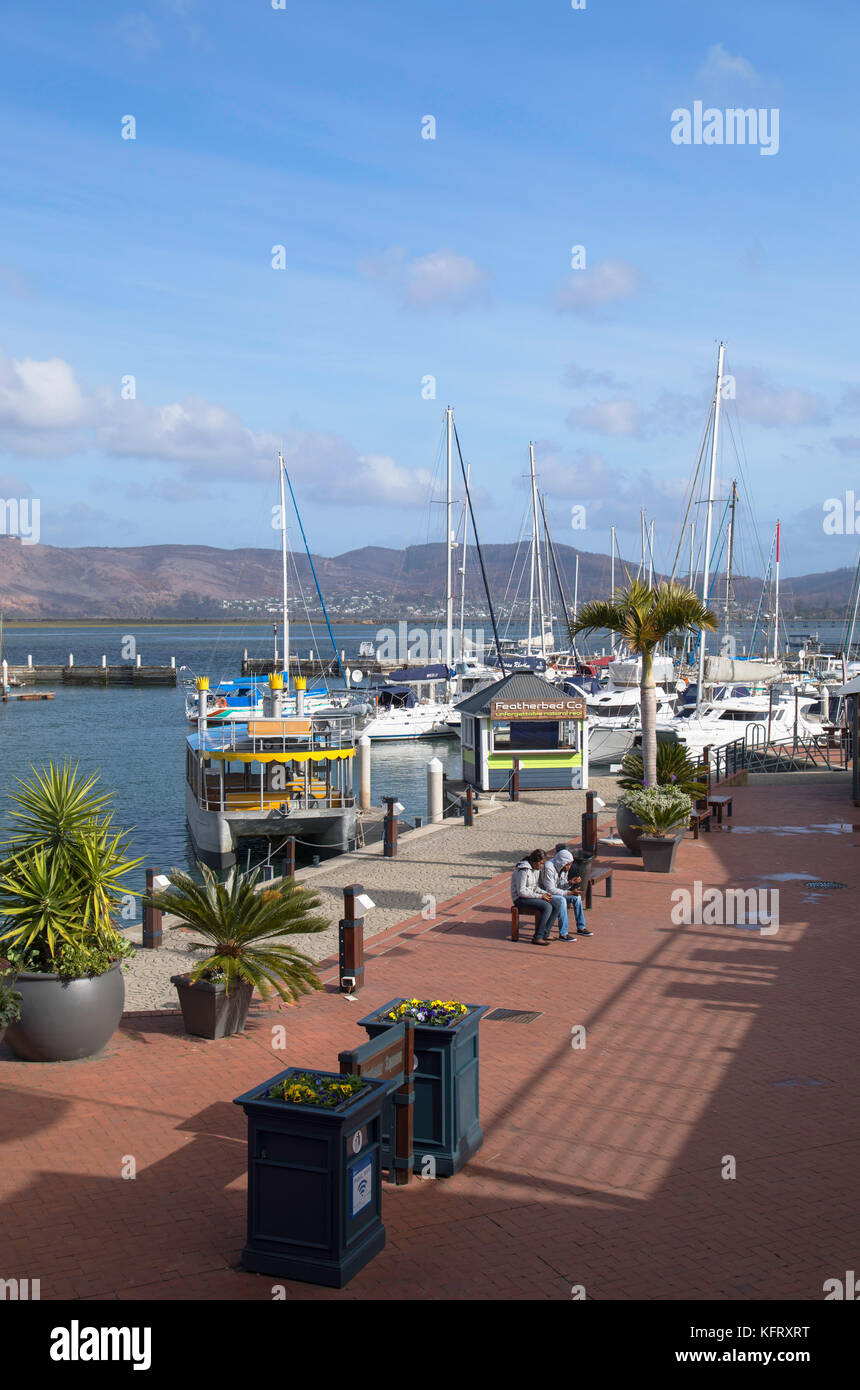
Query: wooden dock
[[27, 695], [126, 674]]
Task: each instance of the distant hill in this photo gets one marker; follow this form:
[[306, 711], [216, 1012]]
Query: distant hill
[[194, 581]]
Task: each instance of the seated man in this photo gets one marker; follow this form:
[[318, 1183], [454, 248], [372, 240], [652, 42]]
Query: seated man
[[555, 881], [526, 893]]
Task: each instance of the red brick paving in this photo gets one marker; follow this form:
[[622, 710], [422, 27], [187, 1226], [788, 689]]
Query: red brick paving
[[600, 1167]]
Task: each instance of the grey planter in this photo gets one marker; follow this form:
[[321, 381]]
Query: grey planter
[[208, 1011], [628, 831], [658, 852], [64, 1020]]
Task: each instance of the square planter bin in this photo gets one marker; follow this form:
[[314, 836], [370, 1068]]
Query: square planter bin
[[208, 1011], [314, 1185], [658, 852], [446, 1124]]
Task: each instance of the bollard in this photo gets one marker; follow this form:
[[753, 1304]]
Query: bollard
[[434, 791], [30, 659], [173, 663], [351, 942], [152, 936], [71, 659], [468, 809], [589, 825], [104, 662], [515, 781], [290, 857], [419, 821], [364, 773], [137, 661], [389, 844]]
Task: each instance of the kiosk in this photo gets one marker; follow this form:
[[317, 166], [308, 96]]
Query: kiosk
[[525, 723]]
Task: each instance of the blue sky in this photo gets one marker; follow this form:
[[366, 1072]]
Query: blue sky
[[408, 257]]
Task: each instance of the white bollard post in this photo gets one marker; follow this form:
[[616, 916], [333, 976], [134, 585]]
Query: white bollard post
[[30, 659], [173, 663], [137, 662], [104, 662], [434, 791], [364, 773], [4, 678], [71, 659]]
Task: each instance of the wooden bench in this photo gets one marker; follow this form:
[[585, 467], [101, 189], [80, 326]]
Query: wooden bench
[[699, 817], [595, 875], [515, 918], [720, 803]]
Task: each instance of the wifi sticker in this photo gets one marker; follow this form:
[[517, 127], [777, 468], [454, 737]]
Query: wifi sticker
[[362, 1186]]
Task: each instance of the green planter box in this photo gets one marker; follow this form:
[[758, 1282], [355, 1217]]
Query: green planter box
[[446, 1122], [314, 1184]]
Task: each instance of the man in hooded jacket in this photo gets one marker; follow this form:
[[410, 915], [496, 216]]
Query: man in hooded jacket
[[554, 880]]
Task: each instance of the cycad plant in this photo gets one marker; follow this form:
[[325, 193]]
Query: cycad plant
[[63, 875], [675, 768], [645, 617], [245, 930]]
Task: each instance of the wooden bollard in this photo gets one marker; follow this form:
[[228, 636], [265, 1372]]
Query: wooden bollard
[[152, 934], [515, 781], [468, 808], [589, 824], [351, 941], [389, 843], [290, 857]]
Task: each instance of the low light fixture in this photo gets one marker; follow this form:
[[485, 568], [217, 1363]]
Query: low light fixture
[[364, 901]]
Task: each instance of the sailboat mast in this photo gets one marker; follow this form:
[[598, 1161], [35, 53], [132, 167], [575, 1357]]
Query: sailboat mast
[[692, 551], [718, 391], [462, 568], [731, 549], [576, 590], [537, 556], [651, 556], [449, 592], [611, 563], [285, 613], [776, 601]]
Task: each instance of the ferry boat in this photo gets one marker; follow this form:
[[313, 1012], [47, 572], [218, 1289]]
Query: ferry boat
[[274, 777]]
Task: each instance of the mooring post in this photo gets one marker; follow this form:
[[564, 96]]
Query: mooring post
[[389, 844], [515, 781], [351, 941], [363, 752], [468, 809], [152, 936], [290, 857], [589, 824], [435, 774]]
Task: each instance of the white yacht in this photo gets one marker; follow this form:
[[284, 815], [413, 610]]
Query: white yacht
[[753, 718], [614, 712]]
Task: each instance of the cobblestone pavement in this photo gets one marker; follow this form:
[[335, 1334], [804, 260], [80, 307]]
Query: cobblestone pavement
[[441, 862], [703, 1143]]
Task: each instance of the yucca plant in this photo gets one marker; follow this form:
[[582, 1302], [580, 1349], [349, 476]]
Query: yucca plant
[[659, 810], [645, 617], [245, 930], [63, 875], [675, 768]]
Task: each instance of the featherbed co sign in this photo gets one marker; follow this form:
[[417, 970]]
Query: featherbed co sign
[[505, 710]]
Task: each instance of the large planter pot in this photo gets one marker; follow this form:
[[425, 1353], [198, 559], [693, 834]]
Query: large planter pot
[[658, 852], [314, 1185], [628, 830], [446, 1122], [63, 1020], [208, 1011]]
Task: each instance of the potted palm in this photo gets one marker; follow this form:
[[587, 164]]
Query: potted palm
[[661, 814], [644, 616], [243, 932], [10, 1007], [675, 768], [61, 883]]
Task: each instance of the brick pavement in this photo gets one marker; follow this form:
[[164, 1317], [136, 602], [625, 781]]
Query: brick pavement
[[600, 1167]]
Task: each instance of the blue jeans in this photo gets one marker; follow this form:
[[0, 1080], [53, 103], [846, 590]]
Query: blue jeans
[[548, 913], [560, 901]]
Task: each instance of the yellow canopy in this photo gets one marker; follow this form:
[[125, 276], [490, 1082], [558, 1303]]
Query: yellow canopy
[[288, 756]]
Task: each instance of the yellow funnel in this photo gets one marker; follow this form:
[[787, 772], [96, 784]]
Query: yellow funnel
[[202, 682], [276, 681], [300, 682]]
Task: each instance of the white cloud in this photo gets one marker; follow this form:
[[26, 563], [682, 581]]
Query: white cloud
[[621, 417], [587, 290], [720, 64], [45, 412], [441, 279], [763, 403]]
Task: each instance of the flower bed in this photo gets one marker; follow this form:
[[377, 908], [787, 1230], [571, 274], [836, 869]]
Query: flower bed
[[316, 1088], [430, 1013]]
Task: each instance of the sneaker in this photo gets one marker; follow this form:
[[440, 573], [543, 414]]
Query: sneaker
[[567, 938], [583, 931]]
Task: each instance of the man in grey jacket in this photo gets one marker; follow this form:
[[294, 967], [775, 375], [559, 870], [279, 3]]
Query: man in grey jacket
[[526, 893], [553, 880]]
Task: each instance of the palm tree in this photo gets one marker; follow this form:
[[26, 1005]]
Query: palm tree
[[245, 929], [644, 617]]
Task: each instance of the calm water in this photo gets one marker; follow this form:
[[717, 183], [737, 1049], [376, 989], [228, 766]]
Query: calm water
[[135, 738]]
